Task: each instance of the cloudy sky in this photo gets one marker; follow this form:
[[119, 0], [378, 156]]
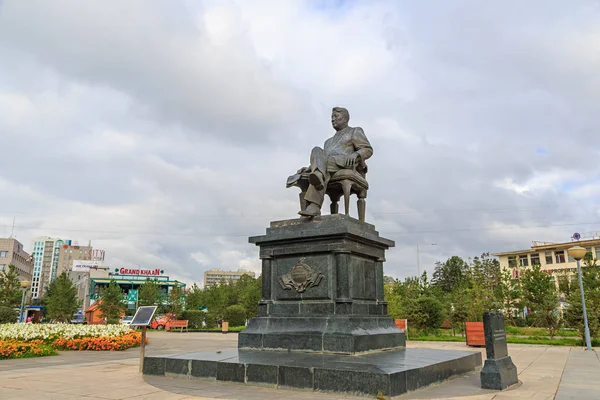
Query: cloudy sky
[[164, 131]]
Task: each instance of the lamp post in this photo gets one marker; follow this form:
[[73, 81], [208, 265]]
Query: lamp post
[[578, 252], [419, 260], [24, 287]]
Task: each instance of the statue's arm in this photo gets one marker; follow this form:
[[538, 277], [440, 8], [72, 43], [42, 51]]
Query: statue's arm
[[361, 144]]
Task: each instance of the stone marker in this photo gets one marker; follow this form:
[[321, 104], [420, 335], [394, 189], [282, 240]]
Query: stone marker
[[498, 372]]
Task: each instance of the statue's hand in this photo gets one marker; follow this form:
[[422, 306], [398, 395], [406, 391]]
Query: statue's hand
[[352, 160], [303, 169]]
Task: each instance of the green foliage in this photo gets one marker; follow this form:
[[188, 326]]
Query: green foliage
[[10, 287], [176, 299], [540, 295], [211, 320], [8, 315], [111, 304], [245, 292], [573, 313], [450, 275], [149, 293], [195, 318], [425, 315], [193, 300], [235, 315], [61, 300]]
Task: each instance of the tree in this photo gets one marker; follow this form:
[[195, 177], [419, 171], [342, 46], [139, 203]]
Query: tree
[[573, 313], [541, 296], [149, 293], [451, 274], [426, 314], [111, 303], [511, 294], [235, 315], [10, 287], [176, 301], [8, 315], [195, 298], [250, 297], [61, 300]]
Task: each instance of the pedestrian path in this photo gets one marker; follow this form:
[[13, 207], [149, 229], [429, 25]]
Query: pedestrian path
[[545, 373]]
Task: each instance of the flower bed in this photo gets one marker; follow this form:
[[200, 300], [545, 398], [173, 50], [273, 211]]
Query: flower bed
[[20, 349], [32, 340]]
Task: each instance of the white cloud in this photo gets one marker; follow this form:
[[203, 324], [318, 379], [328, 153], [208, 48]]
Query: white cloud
[[164, 131]]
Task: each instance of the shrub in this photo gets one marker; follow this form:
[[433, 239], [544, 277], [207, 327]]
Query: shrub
[[235, 315], [426, 314], [8, 315], [211, 320], [195, 318]]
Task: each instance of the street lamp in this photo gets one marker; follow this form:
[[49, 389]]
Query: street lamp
[[24, 287], [419, 260], [578, 252]]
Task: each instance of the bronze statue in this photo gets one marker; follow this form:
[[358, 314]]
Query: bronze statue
[[346, 150]]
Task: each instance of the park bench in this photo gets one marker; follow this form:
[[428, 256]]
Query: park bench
[[180, 323]]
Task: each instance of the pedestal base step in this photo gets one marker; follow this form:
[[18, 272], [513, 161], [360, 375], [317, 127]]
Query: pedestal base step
[[392, 372]]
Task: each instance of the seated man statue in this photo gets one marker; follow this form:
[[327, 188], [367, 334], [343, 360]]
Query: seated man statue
[[348, 148]]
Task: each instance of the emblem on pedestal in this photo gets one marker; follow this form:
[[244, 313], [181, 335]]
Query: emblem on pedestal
[[301, 277]]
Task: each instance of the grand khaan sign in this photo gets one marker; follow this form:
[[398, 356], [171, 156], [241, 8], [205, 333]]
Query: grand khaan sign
[[139, 271]]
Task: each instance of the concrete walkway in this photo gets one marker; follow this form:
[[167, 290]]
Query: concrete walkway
[[544, 372]]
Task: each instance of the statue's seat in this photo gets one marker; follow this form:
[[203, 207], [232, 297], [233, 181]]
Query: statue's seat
[[344, 182]]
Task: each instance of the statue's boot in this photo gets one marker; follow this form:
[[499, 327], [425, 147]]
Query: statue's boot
[[316, 179], [312, 210]]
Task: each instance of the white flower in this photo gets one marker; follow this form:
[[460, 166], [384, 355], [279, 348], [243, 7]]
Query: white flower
[[22, 331]]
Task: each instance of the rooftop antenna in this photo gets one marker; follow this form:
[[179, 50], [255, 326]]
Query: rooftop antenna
[[12, 231]]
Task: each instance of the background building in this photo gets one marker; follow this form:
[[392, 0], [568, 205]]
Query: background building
[[213, 276], [11, 252], [553, 258], [70, 252], [130, 280], [45, 263]]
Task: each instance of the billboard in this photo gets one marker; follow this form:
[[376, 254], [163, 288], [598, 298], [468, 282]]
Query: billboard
[[86, 265]]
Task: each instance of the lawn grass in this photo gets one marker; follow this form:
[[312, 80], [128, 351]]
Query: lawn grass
[[512, 339]]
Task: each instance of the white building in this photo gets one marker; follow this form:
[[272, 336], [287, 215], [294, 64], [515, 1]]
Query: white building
[[45, 251]]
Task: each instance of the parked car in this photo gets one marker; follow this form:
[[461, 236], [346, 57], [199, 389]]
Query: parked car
[[78, 319], [127, 320]]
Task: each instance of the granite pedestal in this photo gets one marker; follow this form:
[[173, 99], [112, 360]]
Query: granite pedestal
[[498, 372], [322, 322], [322, 288], [391, 372]]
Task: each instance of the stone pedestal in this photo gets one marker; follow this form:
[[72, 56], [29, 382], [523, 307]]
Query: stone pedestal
[[322, 322], [498, 372], [322, 288]]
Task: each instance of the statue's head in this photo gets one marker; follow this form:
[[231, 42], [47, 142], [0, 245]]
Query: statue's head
[[339, 118]]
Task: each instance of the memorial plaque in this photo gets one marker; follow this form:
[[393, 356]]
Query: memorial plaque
[[143, 316], [498, 372], [495, 335]]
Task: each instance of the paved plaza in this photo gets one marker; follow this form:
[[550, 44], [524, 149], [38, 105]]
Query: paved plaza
[[545, 372]]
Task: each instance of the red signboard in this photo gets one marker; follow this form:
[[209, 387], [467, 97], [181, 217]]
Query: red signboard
[[138, 271]]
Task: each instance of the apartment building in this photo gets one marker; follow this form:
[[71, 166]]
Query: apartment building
[[12, 253], [213, 276], [45, 263], [552, 257]]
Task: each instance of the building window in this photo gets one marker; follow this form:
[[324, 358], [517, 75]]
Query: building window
[[3, 254], [523, 261], [549, 259], [560, 256], [535, 259]]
